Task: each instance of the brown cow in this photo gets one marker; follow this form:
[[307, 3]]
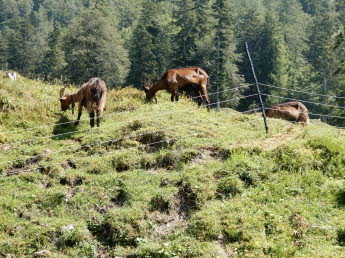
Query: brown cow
[[173, 79], [291, 111], [91, 95]]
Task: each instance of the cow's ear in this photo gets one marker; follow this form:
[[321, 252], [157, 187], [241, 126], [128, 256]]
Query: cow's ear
[[62, 92]]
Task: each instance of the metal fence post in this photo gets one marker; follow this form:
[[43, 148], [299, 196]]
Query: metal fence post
[[258, 88], [218, 75]]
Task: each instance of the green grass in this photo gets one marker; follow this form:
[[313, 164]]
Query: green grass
[[165, 180]]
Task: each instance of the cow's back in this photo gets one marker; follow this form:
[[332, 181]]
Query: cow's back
[[190, 75]]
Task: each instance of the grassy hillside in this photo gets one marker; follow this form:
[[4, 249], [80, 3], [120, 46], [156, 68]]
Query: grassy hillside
[[165, 180]]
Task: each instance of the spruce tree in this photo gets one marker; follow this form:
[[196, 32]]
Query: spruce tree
[[294, 26], [250, 30], [21, 54], [322, 57], [225, 66], [93, 48], [265, 49], [3, 51], [143, 64], [203, 23], [53, 61], [202, 54], [188, 34], [280, 74], [150, 52]]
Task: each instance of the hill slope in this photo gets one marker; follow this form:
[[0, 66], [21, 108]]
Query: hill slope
[[164, 180]]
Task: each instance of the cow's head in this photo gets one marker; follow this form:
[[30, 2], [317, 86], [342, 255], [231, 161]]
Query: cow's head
[[150, 95], [65, 100]]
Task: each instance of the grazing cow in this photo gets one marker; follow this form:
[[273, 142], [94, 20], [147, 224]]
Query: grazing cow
[[91, 95], [291, 111], [173, 79]]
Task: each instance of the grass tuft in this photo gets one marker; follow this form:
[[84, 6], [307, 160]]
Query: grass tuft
[[229, 187], [160, 203]]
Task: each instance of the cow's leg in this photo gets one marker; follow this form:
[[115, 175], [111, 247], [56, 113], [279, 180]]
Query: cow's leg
[[100, 108], [200, 99], [91, 113], [80, 108], [198, 95], [92, 118], [99, 112], [176, 96], [204, 92], [98, 117], [173, 88]]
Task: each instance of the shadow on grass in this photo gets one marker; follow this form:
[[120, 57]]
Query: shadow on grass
[[64, 129], [340, 199]]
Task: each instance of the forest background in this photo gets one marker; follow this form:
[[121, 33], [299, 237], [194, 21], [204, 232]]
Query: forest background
[[296, 44]]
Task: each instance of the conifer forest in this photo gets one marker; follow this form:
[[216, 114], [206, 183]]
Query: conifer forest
[[295, 44]]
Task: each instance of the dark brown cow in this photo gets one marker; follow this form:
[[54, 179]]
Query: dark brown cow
[[91, 95]]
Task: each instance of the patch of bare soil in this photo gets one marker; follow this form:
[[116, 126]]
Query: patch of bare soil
[[167, 224], [204, 155], [177, 217], [271, 143]]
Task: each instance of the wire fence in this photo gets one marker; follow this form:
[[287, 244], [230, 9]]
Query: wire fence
[[309, 113], [16, 171], [120, 112], [307, 102], [126, 137], [151, 116], [303, 101], [116, 123], [299, 91]]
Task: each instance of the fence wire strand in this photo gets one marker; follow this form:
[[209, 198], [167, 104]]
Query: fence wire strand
[[17, 171], [126, 137], [305, 101], [299, 91], [308, 113], [112, 124], [120, 112]]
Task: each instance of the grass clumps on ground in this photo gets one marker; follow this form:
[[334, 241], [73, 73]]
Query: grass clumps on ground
[[164, 180], [125, 227], [205, 225], [230, 186], [160, 203], [331, 155]]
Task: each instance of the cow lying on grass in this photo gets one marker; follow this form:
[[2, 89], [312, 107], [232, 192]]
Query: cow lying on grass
[[91, 95], [291, 111]]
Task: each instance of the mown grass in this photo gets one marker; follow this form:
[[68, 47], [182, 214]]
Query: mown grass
[[165, 180]]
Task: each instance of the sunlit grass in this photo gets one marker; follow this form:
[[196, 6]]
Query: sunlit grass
[[165, 180]]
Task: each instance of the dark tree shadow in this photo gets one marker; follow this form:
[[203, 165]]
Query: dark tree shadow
[[64, 129]]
